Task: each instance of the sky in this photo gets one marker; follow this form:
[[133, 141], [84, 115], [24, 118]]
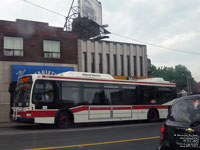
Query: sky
[[173, 24]]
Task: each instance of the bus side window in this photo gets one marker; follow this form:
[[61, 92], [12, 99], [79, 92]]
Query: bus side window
[[38, 92], [164, 94], [70, 95], [70, 92], [147, 95], [115, 96], [49, 94], [95, 96], [129, 97], [43, 92]]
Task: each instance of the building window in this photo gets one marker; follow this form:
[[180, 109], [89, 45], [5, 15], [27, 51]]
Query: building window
[[100, 63], [135, 65], [13, 46], [115, 64], [51, 49], [122, 65], [85, 61], [141, 66], [128, 65], [92, 63], [108, 63]]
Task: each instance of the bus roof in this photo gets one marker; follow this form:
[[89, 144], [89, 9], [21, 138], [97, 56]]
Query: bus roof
[[155, 80], [106, 78], [86, 75]]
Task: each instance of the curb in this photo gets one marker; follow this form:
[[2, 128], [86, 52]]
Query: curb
[[11, 124]]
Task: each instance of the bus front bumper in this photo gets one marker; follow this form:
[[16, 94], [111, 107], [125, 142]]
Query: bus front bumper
[[23, 120]]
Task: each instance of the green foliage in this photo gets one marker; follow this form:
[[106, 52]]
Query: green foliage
[[178, 74]]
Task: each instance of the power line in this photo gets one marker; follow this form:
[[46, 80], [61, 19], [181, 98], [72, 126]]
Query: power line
[[155, 45], [44, 8]]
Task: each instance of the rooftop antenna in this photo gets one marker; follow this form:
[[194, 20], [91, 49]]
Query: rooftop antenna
[[80, 22], [72, 14]]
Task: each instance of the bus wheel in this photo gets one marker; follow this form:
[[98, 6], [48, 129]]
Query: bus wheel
[[153, 115], [63, 120]]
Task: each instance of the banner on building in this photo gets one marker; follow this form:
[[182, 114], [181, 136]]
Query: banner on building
[[20, 70]]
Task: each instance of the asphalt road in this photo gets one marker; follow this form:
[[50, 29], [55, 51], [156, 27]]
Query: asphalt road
[[128, 136]]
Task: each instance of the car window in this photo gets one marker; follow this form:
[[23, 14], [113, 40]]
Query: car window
[[186, 111]]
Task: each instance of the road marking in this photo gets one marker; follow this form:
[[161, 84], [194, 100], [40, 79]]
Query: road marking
[[93, 144]]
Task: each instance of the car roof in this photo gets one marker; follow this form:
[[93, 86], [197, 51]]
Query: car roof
[[190, 97]]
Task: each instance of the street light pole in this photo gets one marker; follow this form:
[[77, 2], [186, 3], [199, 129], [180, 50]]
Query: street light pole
[[188, 87]]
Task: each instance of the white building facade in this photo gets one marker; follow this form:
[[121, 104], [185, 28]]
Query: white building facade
[[115, 58]]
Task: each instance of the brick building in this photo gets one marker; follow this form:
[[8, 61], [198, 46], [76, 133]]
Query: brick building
[[29, 45]]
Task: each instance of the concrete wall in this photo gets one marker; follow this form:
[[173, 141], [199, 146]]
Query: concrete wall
[[111, 48], [5, 79]]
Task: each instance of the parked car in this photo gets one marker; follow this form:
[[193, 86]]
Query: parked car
[[181, 130]]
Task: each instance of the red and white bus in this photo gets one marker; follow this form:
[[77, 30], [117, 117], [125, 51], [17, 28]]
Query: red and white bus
[[79, 97]]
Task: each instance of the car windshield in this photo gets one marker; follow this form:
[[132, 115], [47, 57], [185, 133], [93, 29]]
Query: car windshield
[[186, 111], [22, 93]]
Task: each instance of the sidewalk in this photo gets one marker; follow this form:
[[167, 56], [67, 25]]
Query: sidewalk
[[11, 124]]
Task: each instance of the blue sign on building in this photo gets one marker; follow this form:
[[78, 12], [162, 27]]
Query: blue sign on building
[[20, 70]]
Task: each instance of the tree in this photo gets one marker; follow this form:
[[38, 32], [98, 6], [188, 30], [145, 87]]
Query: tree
[[179, 75]]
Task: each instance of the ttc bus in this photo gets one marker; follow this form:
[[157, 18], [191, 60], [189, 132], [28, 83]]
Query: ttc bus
[[79, 97]]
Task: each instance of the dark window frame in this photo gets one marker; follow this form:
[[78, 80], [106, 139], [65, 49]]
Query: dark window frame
[[85, 61], [100, 63], [128, 66], [115, 64], [141, 66], [135, 65], [108, 63], [122, 64], [92, 63], [13, 52], [50, 55]]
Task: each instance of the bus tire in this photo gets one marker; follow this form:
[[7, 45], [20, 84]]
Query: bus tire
[[153, 115], [63, 120]]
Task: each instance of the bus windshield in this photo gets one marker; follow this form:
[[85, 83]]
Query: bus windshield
[[22, 94]]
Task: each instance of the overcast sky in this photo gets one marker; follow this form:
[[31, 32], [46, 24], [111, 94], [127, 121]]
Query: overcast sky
[[169, 23]]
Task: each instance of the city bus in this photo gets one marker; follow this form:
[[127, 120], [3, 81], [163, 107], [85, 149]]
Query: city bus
[[80, 97]]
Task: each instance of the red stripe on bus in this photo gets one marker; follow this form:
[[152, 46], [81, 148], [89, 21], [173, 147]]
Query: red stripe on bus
[[44, 113], [99, 108], [38, 113], [148, 107], [78, 109], [22, 114], [117, 81]]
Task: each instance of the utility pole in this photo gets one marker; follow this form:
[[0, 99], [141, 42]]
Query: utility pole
[[188, 85]]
